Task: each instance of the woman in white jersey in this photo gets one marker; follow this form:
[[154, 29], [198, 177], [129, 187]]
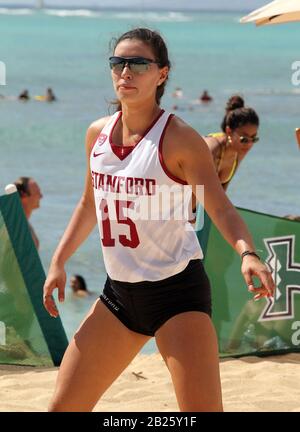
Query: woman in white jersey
[[156, 284]]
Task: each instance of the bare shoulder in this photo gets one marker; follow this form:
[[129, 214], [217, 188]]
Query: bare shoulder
[[186, 154], [177, 125], [96, 126], [94, 130], [183, 139], [214, 143]]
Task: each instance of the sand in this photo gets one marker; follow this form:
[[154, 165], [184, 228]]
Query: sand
[[249, 384]]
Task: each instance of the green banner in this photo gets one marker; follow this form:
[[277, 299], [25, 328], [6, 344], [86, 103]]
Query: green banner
[[28, 335], [245, 326]]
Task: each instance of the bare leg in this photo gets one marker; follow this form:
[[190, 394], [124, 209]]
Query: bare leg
[[100, 350], [188, 345]]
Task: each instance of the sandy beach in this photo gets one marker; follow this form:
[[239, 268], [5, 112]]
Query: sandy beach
[[249, 384]]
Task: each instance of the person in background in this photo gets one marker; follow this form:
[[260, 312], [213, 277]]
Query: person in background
[[50, 97], [239, 133], [30, 195], [292, 217], [205, 97], [178, 93], [24, 96], [78, 285]]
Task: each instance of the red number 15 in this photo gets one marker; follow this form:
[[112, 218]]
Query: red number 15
[[133, 240]]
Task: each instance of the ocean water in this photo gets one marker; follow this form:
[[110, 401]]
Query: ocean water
[[68, 51]]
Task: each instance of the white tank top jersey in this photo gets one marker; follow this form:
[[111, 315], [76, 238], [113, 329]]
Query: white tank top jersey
[[145, 233]]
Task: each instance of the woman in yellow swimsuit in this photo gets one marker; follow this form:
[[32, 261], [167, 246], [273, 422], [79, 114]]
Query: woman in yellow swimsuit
[[239, 126]]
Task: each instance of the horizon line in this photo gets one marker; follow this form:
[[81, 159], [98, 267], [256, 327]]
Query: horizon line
[[127, 8]]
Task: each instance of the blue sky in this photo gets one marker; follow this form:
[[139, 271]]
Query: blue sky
[[167, 4]]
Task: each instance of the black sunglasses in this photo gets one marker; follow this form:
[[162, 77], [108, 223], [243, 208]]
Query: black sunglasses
[[246, 140], [135, 64]]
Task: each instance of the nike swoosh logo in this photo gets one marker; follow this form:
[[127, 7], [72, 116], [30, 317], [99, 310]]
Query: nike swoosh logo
[[97, 154]]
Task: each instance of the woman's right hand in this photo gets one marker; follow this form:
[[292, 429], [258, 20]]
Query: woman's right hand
[[56, 279]]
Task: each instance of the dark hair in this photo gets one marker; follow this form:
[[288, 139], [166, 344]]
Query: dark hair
[[82, 282], [237, 114], [22, 185], [154, 40]]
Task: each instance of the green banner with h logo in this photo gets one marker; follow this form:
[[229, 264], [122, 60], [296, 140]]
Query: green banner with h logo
[[245, 326]]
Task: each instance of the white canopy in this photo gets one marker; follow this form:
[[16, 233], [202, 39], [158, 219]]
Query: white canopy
[[276, 12]]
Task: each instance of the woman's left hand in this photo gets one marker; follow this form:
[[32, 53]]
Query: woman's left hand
[[252, 266]]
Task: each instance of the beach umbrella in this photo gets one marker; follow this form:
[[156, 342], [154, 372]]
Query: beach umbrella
[[276, 12]]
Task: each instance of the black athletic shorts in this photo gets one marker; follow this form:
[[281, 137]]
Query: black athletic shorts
[[145, 306]]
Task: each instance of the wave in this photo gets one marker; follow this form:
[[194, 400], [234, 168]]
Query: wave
[[6, 11], [265, 92], [72, 13], [154, 16], [87, 13], [274, 92]]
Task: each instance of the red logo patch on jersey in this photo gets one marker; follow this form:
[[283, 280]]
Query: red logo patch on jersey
[[101, 139]]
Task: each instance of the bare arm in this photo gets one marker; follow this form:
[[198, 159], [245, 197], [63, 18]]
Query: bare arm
[[214, 147], [196, 165], [80, 226], [83, 219], [297, 132]]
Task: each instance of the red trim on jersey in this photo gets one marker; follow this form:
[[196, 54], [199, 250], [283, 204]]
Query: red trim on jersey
[[121, 151], [160, 153]]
